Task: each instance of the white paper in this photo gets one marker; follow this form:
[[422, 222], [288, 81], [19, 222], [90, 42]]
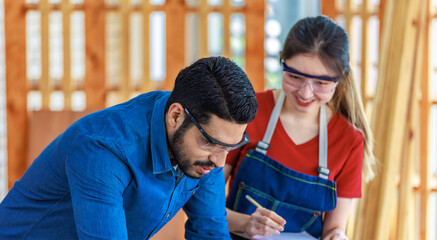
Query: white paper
[[287, 235]]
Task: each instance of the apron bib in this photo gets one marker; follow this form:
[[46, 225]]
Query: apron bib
[[299, 198]]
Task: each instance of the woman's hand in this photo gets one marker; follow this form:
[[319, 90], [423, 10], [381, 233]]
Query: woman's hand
[[335, 234], [265, 223]]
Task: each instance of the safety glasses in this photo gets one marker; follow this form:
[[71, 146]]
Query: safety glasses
[[209, 143]]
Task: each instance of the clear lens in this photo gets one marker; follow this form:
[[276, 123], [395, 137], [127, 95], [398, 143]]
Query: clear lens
[[204, 144], [317, 86]]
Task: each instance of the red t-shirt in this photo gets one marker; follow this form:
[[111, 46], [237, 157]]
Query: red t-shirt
[[345, 149]]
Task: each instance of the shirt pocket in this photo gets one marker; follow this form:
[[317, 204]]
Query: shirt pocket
[[298, 218]]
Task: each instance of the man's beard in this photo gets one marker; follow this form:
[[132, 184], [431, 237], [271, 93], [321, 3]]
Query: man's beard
[[186, 166]]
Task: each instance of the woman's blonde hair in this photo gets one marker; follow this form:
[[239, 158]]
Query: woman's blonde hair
[[322, 37], [347, 101]]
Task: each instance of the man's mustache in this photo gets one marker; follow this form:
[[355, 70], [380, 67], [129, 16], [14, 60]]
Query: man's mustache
[[205, 163]]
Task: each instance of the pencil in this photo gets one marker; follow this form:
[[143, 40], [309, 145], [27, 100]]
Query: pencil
[[257, 205], [253, 201]]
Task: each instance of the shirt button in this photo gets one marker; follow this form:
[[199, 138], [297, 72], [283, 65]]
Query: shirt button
[[168, 215]]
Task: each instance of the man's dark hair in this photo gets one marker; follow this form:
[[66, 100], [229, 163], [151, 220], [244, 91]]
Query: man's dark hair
[[218, 86]]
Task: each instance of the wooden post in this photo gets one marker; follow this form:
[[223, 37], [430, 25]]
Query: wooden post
[[175, 40], [226, 28], [365, 62], [146, 83], [123, 92], [66, 37], [425, 108], [95, 77], [390, 116], [406, 209], [44, 82], [330, 8], [255, 43], [203, 38], [16, 88], [349, 13]]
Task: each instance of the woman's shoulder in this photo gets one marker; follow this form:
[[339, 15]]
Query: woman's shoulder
[[341, 126]]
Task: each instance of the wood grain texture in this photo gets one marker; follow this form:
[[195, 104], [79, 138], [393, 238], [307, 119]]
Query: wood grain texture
[[16, 88]]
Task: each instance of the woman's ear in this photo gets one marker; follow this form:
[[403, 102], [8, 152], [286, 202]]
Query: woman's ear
[[175, 116]]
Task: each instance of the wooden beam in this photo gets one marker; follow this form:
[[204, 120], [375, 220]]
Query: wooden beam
[[146, 84], [16, 88], [407, 215], [425, 109], [330, 8], [95, 76], [175, 40], [226, 28], [45, 61], [390, 116], [123, 93], [66, 37], [349, 14], [255, 43], [203, 18], [365, 51]]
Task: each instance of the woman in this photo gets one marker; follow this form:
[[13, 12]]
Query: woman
[[305, 161]]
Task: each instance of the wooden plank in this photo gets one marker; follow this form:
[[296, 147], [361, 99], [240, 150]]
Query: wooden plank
[[146, 83], [203, 12], [425, 109], [255, 43], [125, 52], [382, 4], [45, 126], [330, 8], [389, 118], [95, 77], [45, 64], [16, 88], [226, 28], [175, 40], [365, 51], [406, 228], [349, 14], [66, 37]]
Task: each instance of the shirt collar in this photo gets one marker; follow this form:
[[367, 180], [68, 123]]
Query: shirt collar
[[158, 137]]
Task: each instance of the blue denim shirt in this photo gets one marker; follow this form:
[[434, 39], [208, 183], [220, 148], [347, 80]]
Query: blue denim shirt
[[109, 176]]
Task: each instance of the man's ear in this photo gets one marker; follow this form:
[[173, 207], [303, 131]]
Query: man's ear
[[175, 116]]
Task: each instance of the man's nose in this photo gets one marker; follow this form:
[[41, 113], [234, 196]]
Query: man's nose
[[218, 158]]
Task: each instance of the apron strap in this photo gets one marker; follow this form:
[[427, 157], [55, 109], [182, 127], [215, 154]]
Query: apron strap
[[263, 145], [323, 144]]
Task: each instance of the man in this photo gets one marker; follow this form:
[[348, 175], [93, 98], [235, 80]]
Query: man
[[125, 171]]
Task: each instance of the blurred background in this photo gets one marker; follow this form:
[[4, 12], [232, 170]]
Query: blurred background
[[62, 59]]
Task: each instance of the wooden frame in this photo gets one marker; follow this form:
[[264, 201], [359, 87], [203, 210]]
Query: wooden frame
[[94, 87], [404, 60]]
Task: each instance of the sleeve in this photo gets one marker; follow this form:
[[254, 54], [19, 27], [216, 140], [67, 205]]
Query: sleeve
[[97, 179], [206, 209], [349, 178]]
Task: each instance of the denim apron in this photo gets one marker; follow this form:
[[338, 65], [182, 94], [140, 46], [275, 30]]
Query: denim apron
[[299, 198]]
